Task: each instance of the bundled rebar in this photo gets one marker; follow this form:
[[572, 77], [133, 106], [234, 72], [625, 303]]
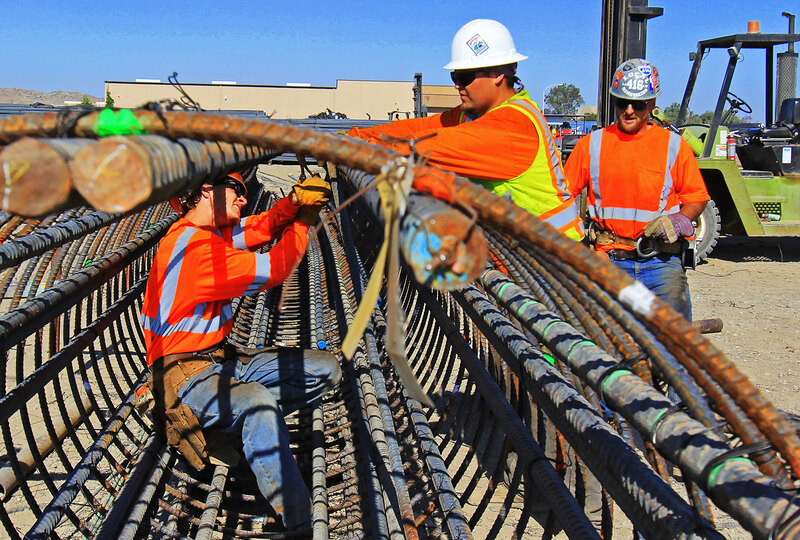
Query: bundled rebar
[[549, 380]]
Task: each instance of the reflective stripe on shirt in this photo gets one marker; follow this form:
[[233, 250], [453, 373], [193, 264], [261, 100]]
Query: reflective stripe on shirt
[[600, 212]]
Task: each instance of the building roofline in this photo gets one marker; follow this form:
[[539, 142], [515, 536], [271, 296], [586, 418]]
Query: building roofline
[[161, 83]]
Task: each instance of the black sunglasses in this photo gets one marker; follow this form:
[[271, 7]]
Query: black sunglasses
[[237, 186], [622, 104], [464, 78]]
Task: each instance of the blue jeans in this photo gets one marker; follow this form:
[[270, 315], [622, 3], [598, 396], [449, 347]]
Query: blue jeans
[[665, 276], [254, 397]]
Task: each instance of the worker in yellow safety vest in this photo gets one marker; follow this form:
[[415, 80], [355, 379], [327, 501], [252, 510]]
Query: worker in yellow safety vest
[[497, 137]]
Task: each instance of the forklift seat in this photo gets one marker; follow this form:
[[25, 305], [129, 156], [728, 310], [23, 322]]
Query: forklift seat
[[790, 112]]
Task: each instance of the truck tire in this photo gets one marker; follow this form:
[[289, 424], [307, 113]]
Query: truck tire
[[706, 232]]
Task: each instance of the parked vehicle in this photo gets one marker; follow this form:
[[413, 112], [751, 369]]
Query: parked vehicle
[[752, 171]]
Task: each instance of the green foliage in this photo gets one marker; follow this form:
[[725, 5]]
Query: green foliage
[[590, 117], [109, 100], [671, 111], [86, 101], [563, 99]]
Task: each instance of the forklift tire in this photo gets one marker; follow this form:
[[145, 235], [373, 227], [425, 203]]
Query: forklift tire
[[706, 231]]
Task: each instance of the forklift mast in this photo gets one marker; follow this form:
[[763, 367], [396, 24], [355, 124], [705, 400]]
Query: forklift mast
[[734, 44], [624, 36]]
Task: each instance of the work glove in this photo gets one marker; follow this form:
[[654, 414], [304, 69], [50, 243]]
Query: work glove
[[312, 191], [308, 214], [670, 227]]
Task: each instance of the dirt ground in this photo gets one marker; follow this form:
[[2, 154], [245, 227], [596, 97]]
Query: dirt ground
[[753, 285]]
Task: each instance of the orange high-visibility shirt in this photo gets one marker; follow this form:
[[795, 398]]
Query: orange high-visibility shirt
[[499, 145], [502, 150], [196, 273], [632, 184]]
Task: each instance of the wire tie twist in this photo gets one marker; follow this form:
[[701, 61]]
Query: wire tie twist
[[782, 522], [709, 473], [678, 407], [625, 364]]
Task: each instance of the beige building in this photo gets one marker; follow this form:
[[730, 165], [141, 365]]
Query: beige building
[[361, 100]]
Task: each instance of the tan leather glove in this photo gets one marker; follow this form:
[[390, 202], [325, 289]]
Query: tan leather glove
[[670, 227], [308, 214], [312, 190]]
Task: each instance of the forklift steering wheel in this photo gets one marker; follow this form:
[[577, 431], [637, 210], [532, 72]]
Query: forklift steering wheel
[[738, 103]]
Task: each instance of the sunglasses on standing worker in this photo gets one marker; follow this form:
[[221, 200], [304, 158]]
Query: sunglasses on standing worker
[[637, 104]]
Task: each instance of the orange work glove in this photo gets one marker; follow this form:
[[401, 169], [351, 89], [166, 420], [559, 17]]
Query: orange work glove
[[312, 191]]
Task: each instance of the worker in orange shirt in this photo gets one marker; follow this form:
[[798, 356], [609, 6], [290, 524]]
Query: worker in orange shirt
[[644, 188], [205, 259], [497, 136]]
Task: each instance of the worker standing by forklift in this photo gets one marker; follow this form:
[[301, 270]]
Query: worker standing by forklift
[[497, 136], [645, 188]]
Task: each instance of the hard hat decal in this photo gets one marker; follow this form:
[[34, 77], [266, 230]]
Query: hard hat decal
[[635, 87], [488, 43], [477, 45], [654, 79], [636, 79]]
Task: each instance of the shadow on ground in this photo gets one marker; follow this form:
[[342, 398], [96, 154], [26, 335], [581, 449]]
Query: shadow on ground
[[766, 249]]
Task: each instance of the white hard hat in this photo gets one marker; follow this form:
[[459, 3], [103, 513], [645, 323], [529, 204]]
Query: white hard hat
[[636, 79], [482, 43]]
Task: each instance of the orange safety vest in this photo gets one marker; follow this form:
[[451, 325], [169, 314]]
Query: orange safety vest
[[629, 206], [196, 273]]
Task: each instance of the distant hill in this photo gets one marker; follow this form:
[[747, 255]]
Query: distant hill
[[28, 97]]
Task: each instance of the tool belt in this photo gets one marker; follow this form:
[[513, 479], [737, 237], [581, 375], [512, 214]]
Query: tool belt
[[173, 419], [642, 248]]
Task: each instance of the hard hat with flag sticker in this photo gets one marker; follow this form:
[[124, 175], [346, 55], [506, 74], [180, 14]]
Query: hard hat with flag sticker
[[636, 79], [483, 43]]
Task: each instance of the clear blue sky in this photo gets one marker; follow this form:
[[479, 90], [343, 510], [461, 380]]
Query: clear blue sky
[[55, 45]]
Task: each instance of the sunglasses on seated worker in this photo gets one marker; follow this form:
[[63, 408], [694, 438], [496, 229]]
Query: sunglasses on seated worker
[[637, 104], [237, 186], [464, 78]]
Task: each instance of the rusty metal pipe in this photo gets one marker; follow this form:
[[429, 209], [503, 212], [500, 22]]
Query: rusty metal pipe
[[708, 326]]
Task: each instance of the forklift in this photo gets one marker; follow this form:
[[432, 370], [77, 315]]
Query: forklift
[[751, 170]]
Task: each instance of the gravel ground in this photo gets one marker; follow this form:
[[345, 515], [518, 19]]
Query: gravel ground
[[753, 285]]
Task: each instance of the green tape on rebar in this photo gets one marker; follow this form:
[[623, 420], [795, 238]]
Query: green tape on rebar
[[502, 288], [122, 122], [583, 341], [549, 359], [524, 305], [611, 377], [547, 328], [712, 476]]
